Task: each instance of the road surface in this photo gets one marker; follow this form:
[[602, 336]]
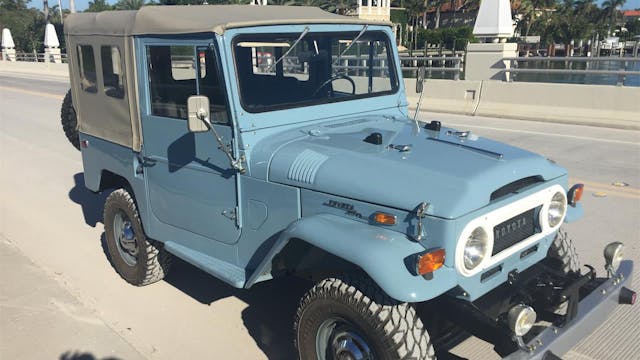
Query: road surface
[[51, 236]]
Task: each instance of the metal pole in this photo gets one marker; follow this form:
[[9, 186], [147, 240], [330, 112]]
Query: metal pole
[[72, 6], [45, 4], [60, 10]]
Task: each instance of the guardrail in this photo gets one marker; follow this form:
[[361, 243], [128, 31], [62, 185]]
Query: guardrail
[[443, 64], [41, 57], [622, 72]]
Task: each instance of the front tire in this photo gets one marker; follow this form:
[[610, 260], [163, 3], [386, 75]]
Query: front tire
[[137, 259], [562, 255], [352, 318]]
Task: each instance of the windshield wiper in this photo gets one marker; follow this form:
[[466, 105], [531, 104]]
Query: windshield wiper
[[364, 29], [295, 43]]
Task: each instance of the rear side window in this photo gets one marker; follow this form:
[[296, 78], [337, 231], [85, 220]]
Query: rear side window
[[87, 62], [112, 72]]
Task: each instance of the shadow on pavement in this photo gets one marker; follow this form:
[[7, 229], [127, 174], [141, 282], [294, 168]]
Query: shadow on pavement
[[92, 204], [271, 305], [78, 355]]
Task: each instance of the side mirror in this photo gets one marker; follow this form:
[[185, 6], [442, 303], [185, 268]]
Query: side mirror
[[198, 113], [420, 80]]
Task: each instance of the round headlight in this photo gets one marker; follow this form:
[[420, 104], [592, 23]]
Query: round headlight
[[476, 248], [557, 209], [521, 319]]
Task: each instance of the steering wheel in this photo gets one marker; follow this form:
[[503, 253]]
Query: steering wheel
[[334, 78]]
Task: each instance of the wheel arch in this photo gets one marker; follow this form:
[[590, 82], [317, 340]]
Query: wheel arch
[[384, 255]]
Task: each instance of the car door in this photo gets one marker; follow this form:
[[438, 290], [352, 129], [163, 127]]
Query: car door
[[191, 186]]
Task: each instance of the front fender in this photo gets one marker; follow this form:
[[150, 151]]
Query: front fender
[[381, 253]]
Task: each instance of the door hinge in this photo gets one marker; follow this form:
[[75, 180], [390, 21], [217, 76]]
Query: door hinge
[[231, 214]]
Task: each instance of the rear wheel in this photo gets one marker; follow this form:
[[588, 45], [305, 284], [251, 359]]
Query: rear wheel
[[70, 121], [138, 259], [351, 318]]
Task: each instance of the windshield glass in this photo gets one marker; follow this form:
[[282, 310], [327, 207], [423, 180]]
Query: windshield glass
[[313, 72]]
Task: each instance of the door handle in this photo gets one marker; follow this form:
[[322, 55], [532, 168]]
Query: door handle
[[147, 161]]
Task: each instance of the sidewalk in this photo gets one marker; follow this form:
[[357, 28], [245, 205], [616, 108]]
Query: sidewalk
[[39, 319]]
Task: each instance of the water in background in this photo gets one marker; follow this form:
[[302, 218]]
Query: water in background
[[629, 80]]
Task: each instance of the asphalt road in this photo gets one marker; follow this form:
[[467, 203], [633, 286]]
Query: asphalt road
[[51, 226]]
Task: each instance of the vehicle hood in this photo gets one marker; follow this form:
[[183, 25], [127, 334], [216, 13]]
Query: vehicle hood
[[455, 174]]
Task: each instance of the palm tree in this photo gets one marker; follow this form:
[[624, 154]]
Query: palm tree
[[438, 4], [530, 12], [611, 7], [414, 8], [129, 4]]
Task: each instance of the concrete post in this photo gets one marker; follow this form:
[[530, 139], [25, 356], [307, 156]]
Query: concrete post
[[51, 45], [484, 61], [8, 46]]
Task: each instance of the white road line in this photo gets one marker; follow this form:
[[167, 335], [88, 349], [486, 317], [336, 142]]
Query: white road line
[[546, 134]]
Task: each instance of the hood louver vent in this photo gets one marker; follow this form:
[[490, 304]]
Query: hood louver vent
[[305, 167]]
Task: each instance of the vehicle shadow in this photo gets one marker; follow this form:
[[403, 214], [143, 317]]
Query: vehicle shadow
[[79, 355], [91, 203], [271, 305]]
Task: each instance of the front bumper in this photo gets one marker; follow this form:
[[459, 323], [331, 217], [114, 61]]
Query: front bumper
[[593, 310]]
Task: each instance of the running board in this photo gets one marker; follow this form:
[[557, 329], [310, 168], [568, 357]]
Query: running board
[[229, 273]]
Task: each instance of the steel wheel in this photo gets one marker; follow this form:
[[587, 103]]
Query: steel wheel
[[338, 339], [125, 238]]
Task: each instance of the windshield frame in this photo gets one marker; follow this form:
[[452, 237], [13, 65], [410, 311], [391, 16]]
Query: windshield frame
[[246, 36]]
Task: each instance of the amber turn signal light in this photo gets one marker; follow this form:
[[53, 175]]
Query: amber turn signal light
[[430, 262], [384, 219], [575, 194]]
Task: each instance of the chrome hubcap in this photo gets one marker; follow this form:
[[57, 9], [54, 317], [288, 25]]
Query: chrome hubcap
[[338, 340], [125, 238]]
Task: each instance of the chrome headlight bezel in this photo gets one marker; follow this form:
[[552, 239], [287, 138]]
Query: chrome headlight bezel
[[556, 209], [477, 235], [475, 248]]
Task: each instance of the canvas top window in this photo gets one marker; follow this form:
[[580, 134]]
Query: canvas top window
[[278, 71]]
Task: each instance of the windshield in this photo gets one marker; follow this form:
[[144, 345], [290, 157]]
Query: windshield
[[276, 73]]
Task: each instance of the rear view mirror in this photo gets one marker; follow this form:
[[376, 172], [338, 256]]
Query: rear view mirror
[[198, 111], [420, 80]]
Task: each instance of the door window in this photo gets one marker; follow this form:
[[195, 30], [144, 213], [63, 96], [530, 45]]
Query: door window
[[176, 72]]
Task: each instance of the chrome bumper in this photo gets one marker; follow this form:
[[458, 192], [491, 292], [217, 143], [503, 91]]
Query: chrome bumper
[[593, 310]]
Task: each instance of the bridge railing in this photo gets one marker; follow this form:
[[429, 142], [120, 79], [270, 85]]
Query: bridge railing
[[41, 57], [619, 68], [433, 65]]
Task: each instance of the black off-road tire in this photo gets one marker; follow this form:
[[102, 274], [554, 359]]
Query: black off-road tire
[[392, 329], [562, 254], [152, 260], [70, 121]]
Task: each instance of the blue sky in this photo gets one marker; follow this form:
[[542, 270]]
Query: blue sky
[[82, 4]]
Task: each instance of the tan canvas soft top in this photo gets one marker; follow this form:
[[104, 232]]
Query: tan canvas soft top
[[198, 19], [117, 119]]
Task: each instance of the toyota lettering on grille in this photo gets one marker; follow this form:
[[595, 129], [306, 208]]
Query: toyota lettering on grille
[[508, 228], [513, 231]]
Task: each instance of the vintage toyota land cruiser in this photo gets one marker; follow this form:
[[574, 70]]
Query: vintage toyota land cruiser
[[257, 142]]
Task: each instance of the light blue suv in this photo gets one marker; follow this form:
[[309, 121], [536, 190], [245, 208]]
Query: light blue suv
[[257, 142]]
